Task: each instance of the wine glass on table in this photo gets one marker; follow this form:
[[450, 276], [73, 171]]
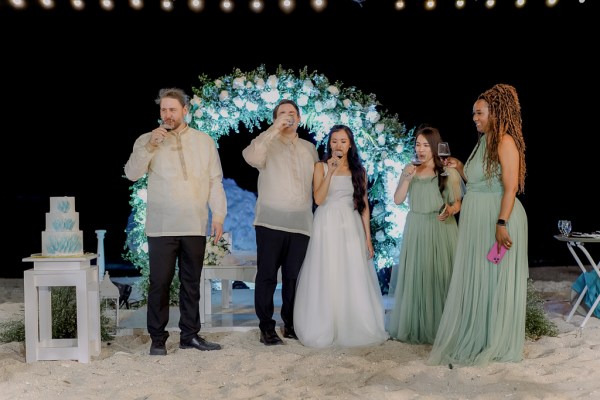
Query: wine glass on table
[[443, 154], [564, 226]]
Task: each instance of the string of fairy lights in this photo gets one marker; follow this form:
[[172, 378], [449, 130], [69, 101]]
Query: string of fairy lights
[[257, 6]]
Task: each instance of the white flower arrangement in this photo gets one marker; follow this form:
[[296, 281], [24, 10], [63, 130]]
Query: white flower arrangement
[[221, 105], [215, 252]]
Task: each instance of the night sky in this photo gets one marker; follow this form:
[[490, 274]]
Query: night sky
[[78, 88]]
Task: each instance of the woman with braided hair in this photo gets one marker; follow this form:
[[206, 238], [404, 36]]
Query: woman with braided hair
[[484, 313]]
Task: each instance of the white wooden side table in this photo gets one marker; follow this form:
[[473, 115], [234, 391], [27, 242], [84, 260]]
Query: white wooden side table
[[50, 272], [574, 242]]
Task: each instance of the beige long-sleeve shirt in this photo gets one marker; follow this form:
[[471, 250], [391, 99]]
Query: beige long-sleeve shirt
[[284, 181], [185, 178]]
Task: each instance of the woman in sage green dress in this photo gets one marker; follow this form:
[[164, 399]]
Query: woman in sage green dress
[[428, 242], [484, 314]]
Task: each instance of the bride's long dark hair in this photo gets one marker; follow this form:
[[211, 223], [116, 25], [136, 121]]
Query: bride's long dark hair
[[356, 169]]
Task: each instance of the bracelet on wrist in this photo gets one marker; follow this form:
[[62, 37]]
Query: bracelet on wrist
[[501, 222]]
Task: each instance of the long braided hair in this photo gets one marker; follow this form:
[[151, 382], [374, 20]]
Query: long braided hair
[[504, 118], [354, 164]]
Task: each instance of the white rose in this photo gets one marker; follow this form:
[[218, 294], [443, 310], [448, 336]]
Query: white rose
[[238, 101], [381, 140], [381, 263], [260, 83], [250, 106], [302, 100], [142, 194], [379, 236], [196, 100], [144, 247], [373, 116], [270, 97], [400, 148], [347, 103], [344, 118], [218, 83], [307, 86], [379, 128], [238, 83], [330, 104], [224, 95], [224, 112], [198, 113], [249, 85], [333, 90], [318, 106], [272, 81]]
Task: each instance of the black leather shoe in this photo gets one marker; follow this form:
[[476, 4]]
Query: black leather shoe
[[289, 333], [196, 342], [270, 338], [158, 348]]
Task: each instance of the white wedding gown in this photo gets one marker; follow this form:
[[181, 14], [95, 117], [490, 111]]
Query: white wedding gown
[[338, 299]]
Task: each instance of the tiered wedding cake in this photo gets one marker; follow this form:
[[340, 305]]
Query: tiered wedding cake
[[62, 236]]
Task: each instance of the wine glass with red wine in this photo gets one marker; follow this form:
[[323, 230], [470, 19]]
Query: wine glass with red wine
[[443, 154]]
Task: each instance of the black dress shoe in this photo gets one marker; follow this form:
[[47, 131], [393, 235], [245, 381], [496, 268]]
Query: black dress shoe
[[196, 342], [270, 338], [158, 346], [289, 333]]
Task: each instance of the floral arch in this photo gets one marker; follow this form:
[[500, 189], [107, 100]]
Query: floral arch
[[221, 105]]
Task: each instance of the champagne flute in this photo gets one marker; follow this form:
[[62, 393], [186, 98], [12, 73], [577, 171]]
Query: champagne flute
[[443, 154]]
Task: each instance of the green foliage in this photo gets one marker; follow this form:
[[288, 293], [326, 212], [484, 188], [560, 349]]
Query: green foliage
[[12, 331], [64, 319], [537, 323]]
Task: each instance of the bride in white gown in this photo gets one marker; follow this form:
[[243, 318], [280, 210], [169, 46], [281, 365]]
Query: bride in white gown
[[338, 299]]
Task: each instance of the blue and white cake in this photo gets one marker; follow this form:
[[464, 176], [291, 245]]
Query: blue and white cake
[[62, 236]]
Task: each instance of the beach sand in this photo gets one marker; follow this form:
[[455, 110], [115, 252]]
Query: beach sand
[[563, 367]]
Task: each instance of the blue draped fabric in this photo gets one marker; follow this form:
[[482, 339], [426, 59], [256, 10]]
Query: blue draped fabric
[[591, 280]]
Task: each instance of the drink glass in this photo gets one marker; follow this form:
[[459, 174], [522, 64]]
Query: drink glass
[[443, 154], [564, 226], [415, 160], [291, 122]]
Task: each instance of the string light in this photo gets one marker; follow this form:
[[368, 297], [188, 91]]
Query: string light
[[227, 6], [166, 5], [287, 6], [47, 4], [256, 5], [400, 5], [78, 4], [318, 5], [136, 4], [107, 4]]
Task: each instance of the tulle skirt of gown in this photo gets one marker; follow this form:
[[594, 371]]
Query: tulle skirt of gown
[[338, 299]]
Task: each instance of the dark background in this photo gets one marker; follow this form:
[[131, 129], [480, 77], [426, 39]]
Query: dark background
[[78, 88]]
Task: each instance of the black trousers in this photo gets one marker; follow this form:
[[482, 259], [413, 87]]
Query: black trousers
[[187, 252], [276, 249]]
